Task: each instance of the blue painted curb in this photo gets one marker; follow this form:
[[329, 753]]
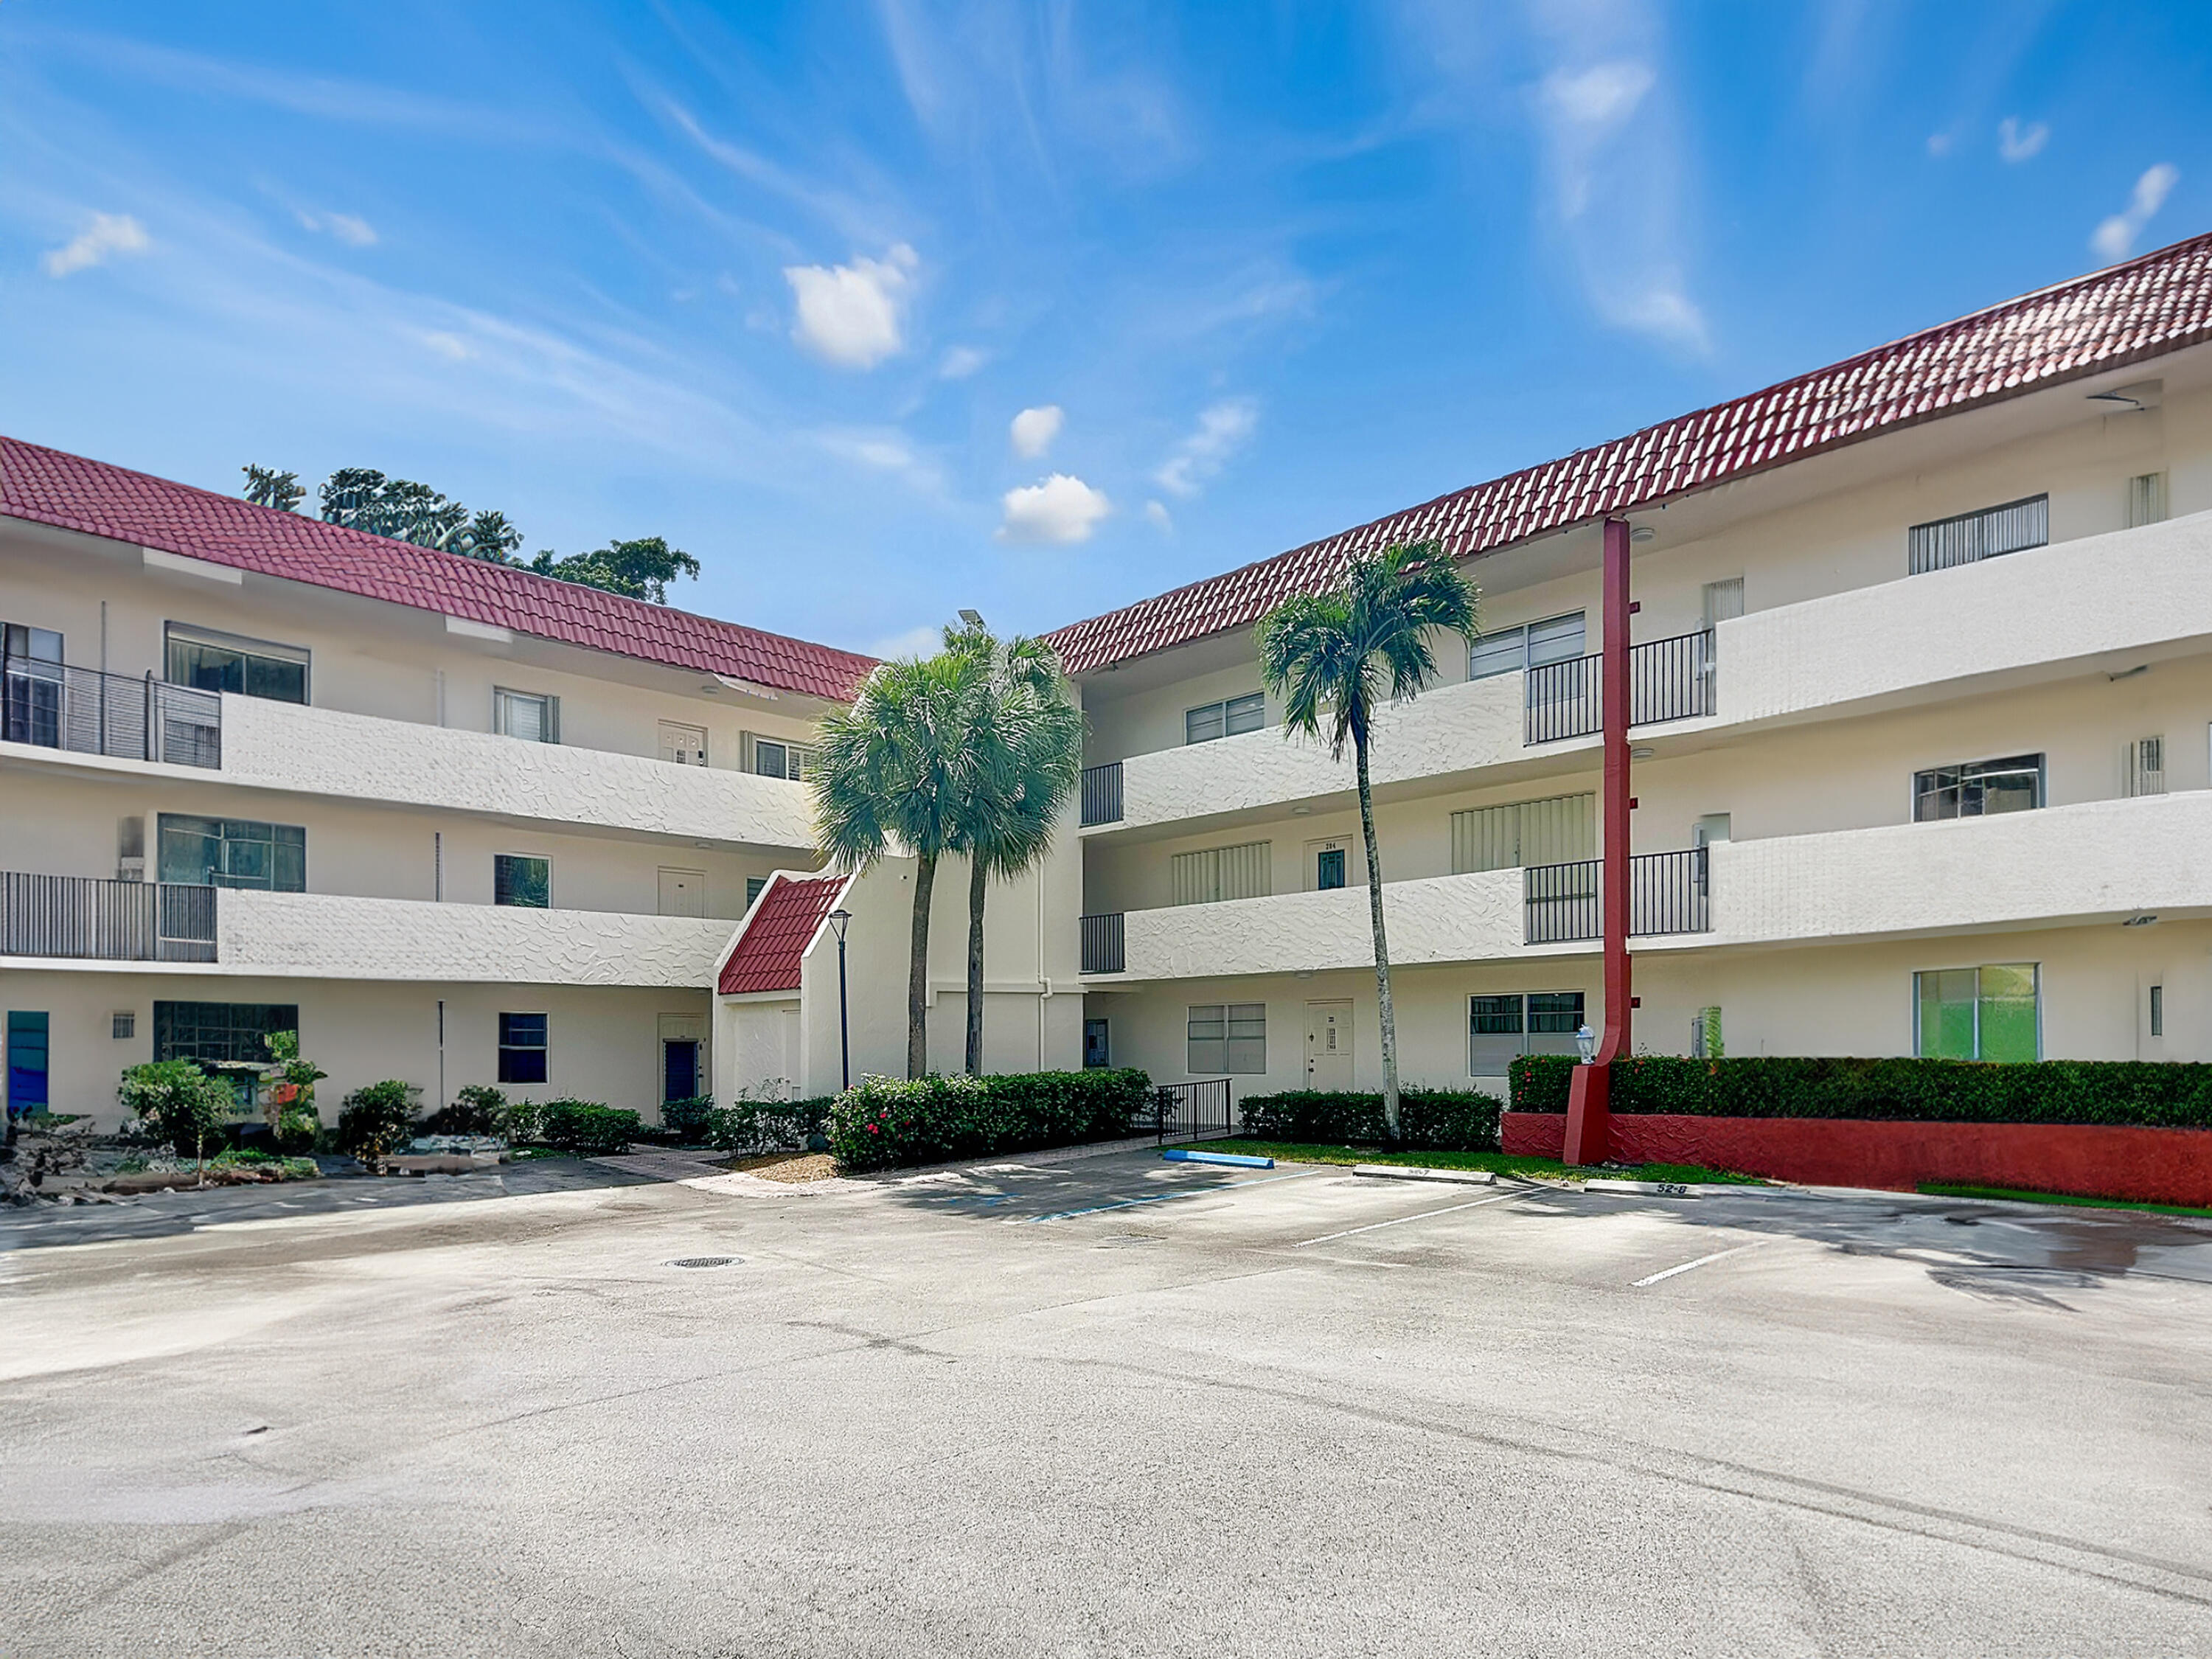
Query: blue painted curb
[[1235, 1160]]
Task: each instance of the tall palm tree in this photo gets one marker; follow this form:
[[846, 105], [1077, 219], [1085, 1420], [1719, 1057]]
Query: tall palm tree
[[888, 777], [1027, 748], [1346, 652]]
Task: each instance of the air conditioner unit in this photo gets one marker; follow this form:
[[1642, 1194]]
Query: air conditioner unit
[[131, 869]]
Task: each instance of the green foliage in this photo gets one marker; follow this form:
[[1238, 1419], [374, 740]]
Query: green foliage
[[2151, 1093], [1443, 1118], [174, 1101], [1334, 658], [768, 1125], [881, 1122], [267, 488], [377, 1118], [477, 1109], [638, 569], [585, 1127], [289, 1087], [686, 1120]]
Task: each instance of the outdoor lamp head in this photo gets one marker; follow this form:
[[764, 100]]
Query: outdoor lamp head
[[1586, 1041], [840, 920]]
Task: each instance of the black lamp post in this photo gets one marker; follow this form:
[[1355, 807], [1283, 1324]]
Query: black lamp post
[[842, 920]]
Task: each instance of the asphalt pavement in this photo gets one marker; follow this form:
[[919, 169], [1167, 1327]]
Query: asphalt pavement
[[1108, 1406]]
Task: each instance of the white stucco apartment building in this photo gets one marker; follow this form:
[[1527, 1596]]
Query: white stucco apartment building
[[1922, 756]]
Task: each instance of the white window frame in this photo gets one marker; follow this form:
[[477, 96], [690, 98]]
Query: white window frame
[[526, 858], [2042, 785], [1234, 1060], [1524, 997], [797, 758], [1232, 717], [176, 633], [503, 699], [1487, 649]]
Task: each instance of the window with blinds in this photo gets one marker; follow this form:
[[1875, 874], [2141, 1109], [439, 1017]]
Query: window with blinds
[[1228, 1036], [1226, 720], [1980, 535], [2142, 766], [1222, 873], [1557, 830], [2146, 499]]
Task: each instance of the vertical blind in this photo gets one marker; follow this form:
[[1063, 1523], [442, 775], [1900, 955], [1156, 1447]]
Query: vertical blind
[[1222, 873], [1981, 535], [1557, 830]]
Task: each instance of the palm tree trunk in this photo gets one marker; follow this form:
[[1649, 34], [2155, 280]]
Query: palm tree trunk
[[979, 877], [917, 973], [1381, 945]]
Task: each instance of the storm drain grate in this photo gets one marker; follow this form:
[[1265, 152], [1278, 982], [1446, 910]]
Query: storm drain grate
[[706, 1262]]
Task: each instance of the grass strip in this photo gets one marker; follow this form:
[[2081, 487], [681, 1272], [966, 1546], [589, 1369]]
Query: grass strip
[[1504, 1164], [2023, 1195]]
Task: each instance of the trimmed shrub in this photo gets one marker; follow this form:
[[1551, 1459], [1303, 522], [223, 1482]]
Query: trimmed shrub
[[175, 1102], [2152, 1094], [377, 1118], [685, 1121], [585, 1127], [881, 1122], [768, 1125], [1441, 1120], [477, 1109]]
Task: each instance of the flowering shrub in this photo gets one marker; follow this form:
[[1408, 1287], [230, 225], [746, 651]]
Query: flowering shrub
[[767, 1126], [881, 1122], [1439, 1118]]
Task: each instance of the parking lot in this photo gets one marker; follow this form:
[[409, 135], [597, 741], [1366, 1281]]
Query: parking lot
[[1100, 1406]]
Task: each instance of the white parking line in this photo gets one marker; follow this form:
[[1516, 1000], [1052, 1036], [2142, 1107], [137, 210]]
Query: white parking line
[[1670, 1272], [1400, 1221]]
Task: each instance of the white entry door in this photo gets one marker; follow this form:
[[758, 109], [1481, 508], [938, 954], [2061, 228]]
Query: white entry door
[[1329, 1046], [682, 892]]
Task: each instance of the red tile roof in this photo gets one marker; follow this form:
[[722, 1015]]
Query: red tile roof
[[782, 923], [2148, 307], [47, 486]]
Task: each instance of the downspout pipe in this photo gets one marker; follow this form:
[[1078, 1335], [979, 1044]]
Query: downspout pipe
[[1588, 1098]]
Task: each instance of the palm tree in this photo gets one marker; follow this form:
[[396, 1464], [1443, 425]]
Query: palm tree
[[1349, 649], [1027, 745], [888, 777]]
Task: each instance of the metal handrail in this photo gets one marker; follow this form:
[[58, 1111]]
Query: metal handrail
[[1102, 794], [89, 918], [1103, 946], [87, 711], [1668, 893], [1671, 679]]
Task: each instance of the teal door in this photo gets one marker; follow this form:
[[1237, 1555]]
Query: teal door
[[27, 1063]]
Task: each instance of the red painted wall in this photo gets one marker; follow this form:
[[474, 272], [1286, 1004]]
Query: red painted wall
[[2158, 1166]]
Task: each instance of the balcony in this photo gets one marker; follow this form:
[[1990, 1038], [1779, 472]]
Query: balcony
[[1670, 679], [75, 918], [325, 751], [83, 711], [1104, 946], [1102, 795], [330, 936], [1668, 893]]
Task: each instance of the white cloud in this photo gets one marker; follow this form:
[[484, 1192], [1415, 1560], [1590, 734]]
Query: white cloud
[[1222, 429], [885, 449], [2115, 236], [1156, 515], [1061, 510], [349, 228], [109, 234], [1939, 143], [448, 345], [960, 363], [1034, 429], [2017, 142], [853, 315]]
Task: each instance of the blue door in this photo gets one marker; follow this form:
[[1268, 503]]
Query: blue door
[[679, 1070], [27, 1063]]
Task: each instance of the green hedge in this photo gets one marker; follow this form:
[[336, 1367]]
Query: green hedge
[[1441, 1120], [585, 1128], [767, 1126], [2150, 1093], [881, 1122]]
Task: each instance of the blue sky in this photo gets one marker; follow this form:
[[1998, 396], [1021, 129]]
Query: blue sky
[[780, 282]]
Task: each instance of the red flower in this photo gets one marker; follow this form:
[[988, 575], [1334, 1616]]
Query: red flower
[[872, 1129]]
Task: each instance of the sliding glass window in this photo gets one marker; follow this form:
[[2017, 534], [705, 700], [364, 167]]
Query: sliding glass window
[[222, 662]]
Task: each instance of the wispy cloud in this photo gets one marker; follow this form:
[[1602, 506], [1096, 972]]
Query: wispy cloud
[[1060, 510], [924, 640], [349, 228], [960, 362], [1031, 432], [854, 315], [2115, 238], [2018, 140], [1222, 429], [887, 450], [1158, 516], [106, 236]]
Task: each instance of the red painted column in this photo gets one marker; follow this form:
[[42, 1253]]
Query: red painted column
[[1588, 1116]]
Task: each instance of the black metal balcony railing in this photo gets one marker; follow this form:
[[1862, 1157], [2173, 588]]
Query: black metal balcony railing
[[87, 712], [1670, 679], [1668, 893], [1198, 1110], [1103, 950], [1102, 794], [83, 918]]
